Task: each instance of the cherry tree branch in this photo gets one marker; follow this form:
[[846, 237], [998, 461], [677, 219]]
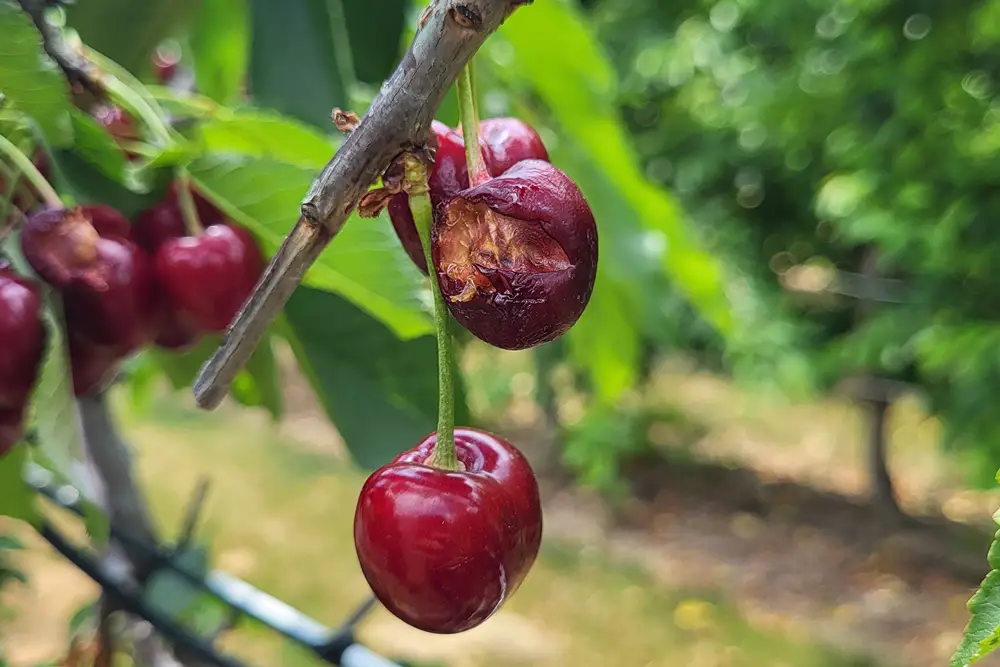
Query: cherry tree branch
[[109, 463], [399, 120], [75, 67]]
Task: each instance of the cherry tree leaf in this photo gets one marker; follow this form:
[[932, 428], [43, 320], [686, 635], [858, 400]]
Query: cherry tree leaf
[[29, 78], [365, 264]]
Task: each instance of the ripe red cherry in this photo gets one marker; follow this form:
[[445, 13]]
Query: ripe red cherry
[[516, 256], [208, 277], [443, 550], [22, 338], [508, 141], [92, 367], [448, 175], [107, 282]]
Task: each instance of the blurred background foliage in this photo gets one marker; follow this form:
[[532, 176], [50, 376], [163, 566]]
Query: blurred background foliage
[[795, 194]]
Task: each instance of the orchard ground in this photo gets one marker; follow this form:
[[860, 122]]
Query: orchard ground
[[706, 567]]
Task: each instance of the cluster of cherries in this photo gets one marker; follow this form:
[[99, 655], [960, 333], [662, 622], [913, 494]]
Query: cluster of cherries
[[124, 285], [515, 256]]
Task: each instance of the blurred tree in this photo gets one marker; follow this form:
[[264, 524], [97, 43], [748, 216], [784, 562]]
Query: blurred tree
[[805, 138]]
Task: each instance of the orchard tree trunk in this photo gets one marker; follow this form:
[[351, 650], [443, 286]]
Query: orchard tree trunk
[[876, 399]]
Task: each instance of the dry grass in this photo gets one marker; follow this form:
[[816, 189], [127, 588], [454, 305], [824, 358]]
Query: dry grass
[[280, 515]]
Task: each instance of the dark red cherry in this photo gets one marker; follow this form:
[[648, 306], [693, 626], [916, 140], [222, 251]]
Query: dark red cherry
[[22, 338], [208, 277], [516, 257], [509, 141], [108, 222], [93, 367], [444, 550], [119, 123], [106, 282]]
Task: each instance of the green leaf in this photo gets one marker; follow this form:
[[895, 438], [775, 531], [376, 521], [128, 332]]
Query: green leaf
[[365, 263], [566, 69], [54, 412], [380, 392], [259, 384], [375, 36], [128, 32], [93, 143], [267, 135], [219, 43], [605, 340], [29, 79], [294, 64], [17, 500], [982, 634]]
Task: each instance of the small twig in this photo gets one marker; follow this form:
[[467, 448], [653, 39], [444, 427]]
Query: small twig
[[398, 120], [78, 71], [193, 513]]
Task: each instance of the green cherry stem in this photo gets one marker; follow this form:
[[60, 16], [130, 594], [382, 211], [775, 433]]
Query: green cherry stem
[[189, 212], [444, 456], [467, 113], [28, 170]]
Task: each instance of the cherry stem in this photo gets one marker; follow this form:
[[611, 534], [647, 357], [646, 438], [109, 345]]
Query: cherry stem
[[469, 116], [189, 212], [29, 171], [444, 456]]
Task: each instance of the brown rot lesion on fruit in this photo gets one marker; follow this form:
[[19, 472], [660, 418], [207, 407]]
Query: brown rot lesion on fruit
[[483, 250], [345, 121]]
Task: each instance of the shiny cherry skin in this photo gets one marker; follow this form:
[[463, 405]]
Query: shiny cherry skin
[[448, 175], [443, 550], [157, 225], [22, 338], [208, 277], [509, 141], [516, 256], [108, 222], [109, 296]]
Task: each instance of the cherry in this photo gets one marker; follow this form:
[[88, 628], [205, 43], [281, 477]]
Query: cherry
[[448, 175], [516, 256], [22, 338], [107, 285], [509, 141], [108, 222], [208, 277], [92, 366], [161, 223], [165, 64], [443, 550]]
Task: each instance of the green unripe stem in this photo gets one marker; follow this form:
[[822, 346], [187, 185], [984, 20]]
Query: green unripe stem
[[28, 170], [189, 212], [469, 116], [444, 456]]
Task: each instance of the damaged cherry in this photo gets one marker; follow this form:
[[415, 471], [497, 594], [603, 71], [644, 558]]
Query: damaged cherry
[[508, 141], [106, 281], [516, 256]]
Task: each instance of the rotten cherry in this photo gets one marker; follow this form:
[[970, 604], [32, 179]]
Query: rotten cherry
[[443, 550], [106, 281], [516, 256]]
